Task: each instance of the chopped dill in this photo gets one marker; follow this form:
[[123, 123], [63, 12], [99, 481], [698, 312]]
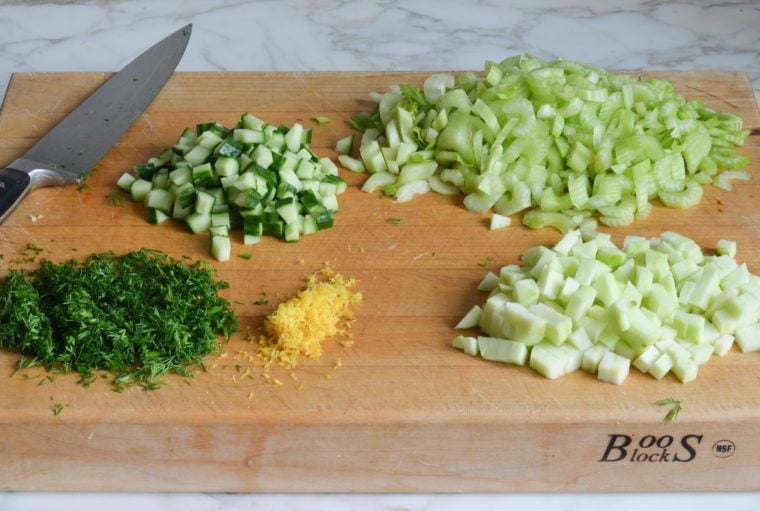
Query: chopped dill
[[246, 255], [57, 408], [137, 316], [486, 262], [675, 409], [394, 221], [115, 199], [261, 302]]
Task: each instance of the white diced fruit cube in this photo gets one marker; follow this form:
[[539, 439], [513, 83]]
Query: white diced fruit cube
[[748, 337], [467, 344], [613, 368], [502, 350]]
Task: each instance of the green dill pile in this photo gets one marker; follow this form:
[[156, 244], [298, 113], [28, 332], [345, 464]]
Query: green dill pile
[[134, 317]]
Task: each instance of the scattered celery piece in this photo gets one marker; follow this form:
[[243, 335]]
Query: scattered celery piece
[[506, 140]]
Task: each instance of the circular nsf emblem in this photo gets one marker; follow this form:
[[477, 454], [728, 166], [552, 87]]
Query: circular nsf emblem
[[723, 448]]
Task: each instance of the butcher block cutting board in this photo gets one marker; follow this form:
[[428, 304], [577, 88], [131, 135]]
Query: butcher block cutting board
[[398, 411]]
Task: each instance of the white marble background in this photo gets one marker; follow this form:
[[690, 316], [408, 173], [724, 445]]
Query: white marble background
[[99, 35]]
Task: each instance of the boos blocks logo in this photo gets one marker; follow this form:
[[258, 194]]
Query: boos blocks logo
[[622, 447]]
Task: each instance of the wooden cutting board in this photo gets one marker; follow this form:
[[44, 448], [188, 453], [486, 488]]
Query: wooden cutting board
[[400, 410]]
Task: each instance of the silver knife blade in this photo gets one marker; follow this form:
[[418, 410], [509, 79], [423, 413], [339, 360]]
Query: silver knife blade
[[81, 140], [78, 142]]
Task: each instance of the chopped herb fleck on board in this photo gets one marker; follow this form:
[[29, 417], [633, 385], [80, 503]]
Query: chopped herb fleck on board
[[675, 409], [137, 316]]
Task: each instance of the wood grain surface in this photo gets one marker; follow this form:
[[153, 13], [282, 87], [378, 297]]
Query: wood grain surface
[[400, 410]]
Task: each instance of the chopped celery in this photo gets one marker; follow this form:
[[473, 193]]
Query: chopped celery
[[499, 221], [560, 137], [658, 304]]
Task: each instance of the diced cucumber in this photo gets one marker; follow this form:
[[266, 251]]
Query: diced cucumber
[[220, 247]]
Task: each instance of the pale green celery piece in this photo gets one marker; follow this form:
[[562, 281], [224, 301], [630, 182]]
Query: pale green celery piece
[[439, 186], [467, 344], [558, 326], [536, 219], [723, 344], [723, 180], [661, 366], [592, 357], [371, 157], [410, 172], [503, 350], [351, 163], [471, 319], [526, 292], [525, 326], [378, 180], [647, 357], [499, 221], [748, 338], [406, 192], [613, 368]]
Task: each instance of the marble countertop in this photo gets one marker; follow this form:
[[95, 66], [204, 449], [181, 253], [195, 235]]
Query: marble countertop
[[99, 35]]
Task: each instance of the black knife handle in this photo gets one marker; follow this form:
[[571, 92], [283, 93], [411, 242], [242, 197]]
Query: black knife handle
[[14, 184]]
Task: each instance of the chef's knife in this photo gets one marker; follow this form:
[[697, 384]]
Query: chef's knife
[[72, 148]]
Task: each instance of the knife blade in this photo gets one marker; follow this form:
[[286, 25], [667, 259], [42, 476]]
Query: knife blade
[[78, 142]]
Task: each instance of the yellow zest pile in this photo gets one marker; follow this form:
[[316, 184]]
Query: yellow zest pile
[[298, 326]]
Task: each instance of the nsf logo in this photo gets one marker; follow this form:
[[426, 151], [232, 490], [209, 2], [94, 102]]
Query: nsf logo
[[723, 448]]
